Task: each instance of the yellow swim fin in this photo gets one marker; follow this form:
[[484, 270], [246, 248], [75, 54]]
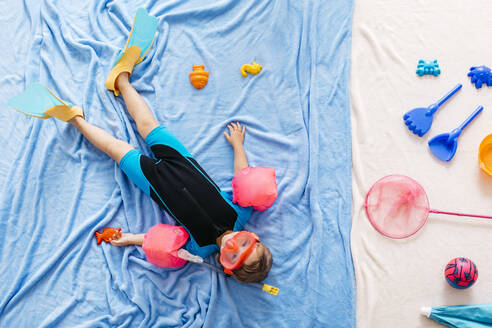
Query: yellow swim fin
[[136, 48], [125, 64]]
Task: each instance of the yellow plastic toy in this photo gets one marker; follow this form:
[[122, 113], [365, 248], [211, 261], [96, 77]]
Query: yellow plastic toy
[[250, 68], [485, 154], [270, 289], [199, 77]]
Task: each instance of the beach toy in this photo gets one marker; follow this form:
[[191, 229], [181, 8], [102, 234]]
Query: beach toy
[[253, 68], [255, 186], [199, 77], [106, 234], [461, 272], [397, 207], [485, 154], [162, 243], [419, 120], [38, 101], [480, 75], [136, 48], [443, 146], [428, 67]]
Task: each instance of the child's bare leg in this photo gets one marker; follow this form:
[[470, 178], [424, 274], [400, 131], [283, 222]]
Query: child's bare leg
[[102, 140], [136, 106]]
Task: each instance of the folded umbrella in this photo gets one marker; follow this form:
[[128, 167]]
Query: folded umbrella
[[459, 316]]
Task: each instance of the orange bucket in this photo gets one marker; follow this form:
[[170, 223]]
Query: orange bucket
[[485, 154]]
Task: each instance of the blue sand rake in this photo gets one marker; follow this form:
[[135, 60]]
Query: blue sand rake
[[419, 120], [443, 146]]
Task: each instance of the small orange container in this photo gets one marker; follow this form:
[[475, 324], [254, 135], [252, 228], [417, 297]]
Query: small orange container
[[485, 154]]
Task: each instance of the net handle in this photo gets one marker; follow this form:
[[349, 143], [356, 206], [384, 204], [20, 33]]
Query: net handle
[[460, 214]]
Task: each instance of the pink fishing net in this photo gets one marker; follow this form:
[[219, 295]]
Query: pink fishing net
[[397, 206]]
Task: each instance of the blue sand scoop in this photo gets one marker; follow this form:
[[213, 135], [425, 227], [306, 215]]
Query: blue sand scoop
[[141, 35], [419, 120], [35, 100], [443, 146]]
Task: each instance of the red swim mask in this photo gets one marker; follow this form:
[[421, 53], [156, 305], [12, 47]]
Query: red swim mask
[[237, 249]]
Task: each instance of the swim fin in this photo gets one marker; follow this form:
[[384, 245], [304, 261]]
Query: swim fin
[[126, 63], [142, 34], [137, 46], [38, 101]]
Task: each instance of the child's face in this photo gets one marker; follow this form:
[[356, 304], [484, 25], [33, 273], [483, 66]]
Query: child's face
[[253, 257]]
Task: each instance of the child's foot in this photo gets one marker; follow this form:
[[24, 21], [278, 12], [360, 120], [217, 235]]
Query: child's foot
[[124, 65], [65, 112]]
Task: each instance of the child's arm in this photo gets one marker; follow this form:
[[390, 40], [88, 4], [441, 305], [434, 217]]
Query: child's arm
[[236, 140], [124, 239]]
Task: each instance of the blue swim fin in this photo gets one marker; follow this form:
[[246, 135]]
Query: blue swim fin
[[34, 101], [38, 101], [141, 35]]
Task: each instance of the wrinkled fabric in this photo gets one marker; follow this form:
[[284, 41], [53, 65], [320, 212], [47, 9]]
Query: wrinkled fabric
[[56, 189]]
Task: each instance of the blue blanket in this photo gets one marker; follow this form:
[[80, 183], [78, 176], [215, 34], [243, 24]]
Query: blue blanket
[[56, 189]]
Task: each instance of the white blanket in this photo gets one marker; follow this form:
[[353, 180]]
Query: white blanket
[[395, 278]]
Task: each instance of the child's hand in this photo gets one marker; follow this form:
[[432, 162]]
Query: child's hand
[[121, 239], [237, 134]]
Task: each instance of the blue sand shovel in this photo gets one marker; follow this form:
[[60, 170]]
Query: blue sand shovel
[[443, 146], [419, 120]]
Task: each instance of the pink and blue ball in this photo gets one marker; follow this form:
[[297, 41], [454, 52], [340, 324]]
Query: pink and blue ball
[[461, 272]]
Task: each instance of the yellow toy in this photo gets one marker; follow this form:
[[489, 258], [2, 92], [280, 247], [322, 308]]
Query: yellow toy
[[250, 68], [270, 289]]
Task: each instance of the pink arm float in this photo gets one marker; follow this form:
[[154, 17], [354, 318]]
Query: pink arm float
[[255, 186], [162, 243]]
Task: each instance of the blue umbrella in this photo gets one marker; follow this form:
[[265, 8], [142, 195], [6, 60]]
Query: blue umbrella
[[459, 316]]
